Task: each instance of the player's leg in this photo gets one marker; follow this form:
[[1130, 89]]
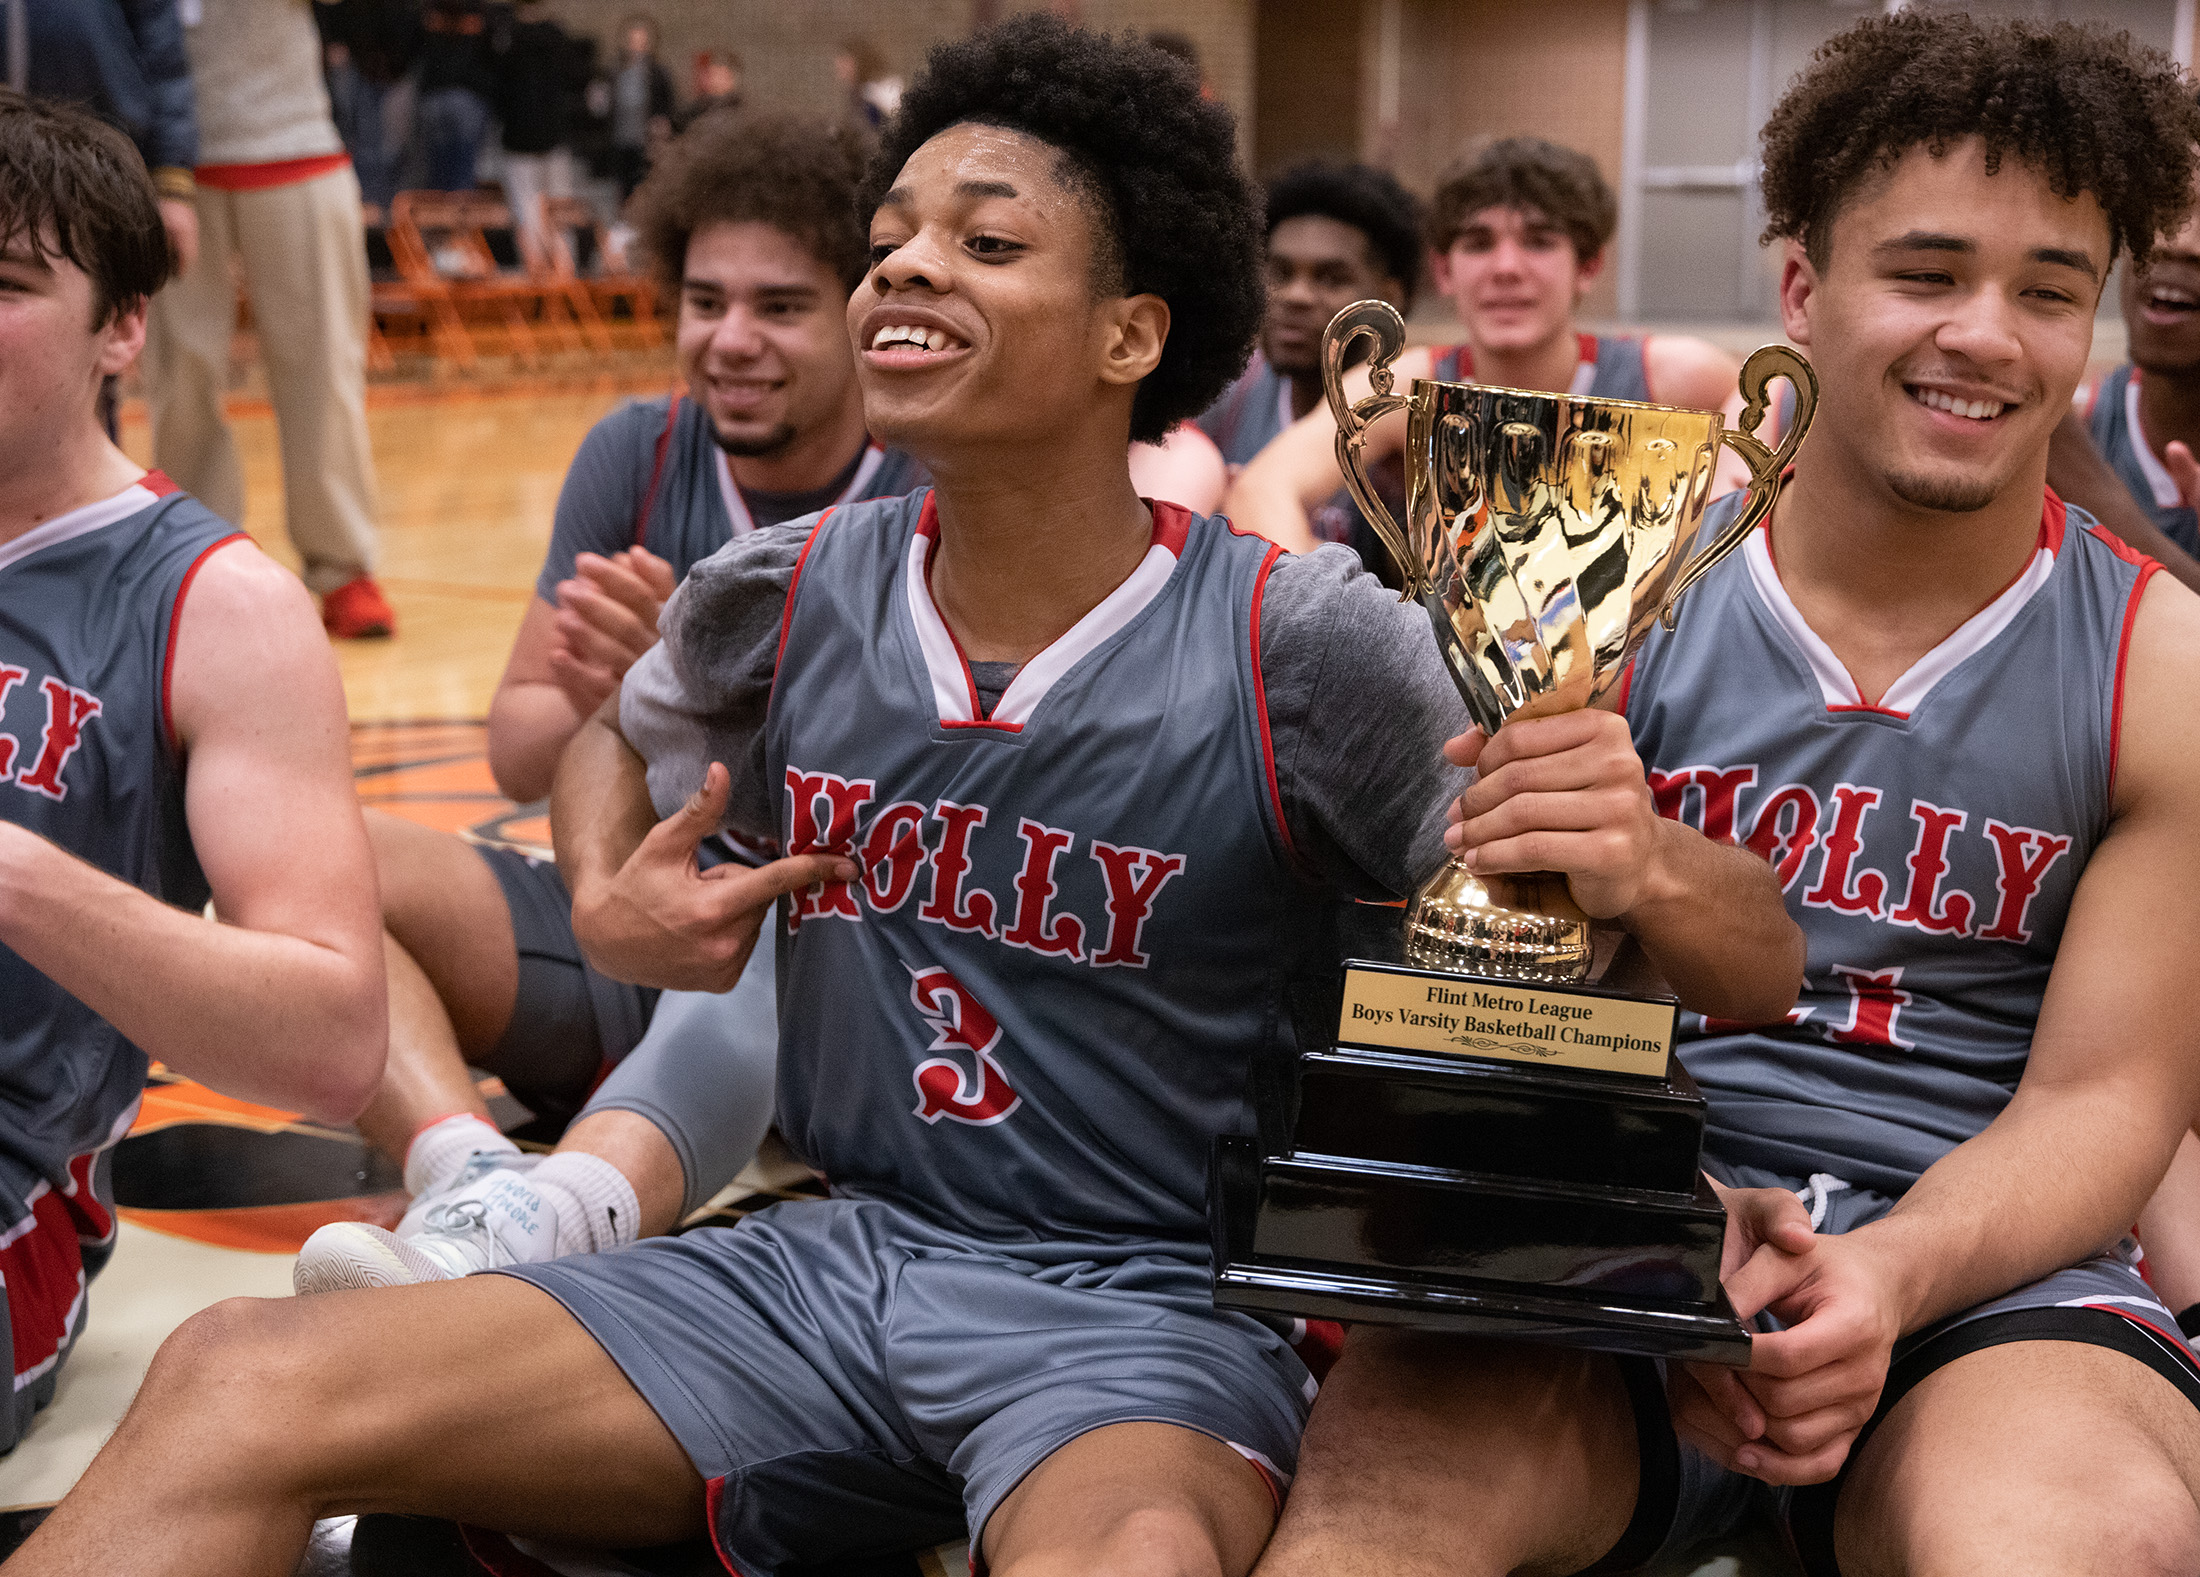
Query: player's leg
[[1430, 1455], [305, 265], [1142, 1500], [481, 1400], [187, 335], [2031, 1457]]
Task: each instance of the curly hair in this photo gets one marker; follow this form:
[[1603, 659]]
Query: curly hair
[[1155, 163], [2088, 109], [795, 173], [74, 187], [1526, 172], [1368, 199]]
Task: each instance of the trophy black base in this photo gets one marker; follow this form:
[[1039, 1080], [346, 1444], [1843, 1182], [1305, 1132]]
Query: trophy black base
[[1433, 1299], [1541, 1181]]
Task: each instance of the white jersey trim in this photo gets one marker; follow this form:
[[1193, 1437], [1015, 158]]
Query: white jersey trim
[[79, 523], [953, 692], [737, 507], [2159, 481], [1908, 692]]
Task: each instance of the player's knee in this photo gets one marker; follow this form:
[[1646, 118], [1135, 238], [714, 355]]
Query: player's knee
[[236, 1354], [2138, 1521]]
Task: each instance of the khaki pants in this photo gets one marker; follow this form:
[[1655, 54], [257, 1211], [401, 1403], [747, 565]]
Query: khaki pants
[[305, 268]]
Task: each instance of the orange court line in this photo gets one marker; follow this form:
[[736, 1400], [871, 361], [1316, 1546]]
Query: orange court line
[[267, 1229]]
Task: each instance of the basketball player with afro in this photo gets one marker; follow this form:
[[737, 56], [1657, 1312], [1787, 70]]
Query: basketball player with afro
[[1957, 719], [1070, 783]]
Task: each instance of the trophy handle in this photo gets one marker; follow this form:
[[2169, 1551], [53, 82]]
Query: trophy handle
[[1767, 467], [1380, 321]]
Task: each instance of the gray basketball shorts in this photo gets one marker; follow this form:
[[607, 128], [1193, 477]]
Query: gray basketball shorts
[[1687, 1498], [851, 1381]]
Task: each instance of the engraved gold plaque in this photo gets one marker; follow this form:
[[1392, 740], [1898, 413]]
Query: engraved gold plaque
[[1410, 1011]]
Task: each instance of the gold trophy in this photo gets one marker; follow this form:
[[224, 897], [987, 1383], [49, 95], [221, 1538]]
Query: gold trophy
[[1474, 1138], [1544, 533]]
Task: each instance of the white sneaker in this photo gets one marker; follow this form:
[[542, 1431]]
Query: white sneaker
[[486, 1217]]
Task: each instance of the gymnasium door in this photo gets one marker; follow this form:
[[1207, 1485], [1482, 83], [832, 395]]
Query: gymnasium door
[[1704, 75]]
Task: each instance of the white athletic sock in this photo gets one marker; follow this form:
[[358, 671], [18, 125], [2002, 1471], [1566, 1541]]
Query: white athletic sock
[[440, 1149], [594, 1202]]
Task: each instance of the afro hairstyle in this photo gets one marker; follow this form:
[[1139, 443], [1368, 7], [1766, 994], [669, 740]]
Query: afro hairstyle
[[793, 172], [1156, 164], [2090, 110], [1368, 199], [1562, 184]]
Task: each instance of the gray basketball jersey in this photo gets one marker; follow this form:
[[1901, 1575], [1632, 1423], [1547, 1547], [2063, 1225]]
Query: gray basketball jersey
[[1250, 413], [1039, 1004], [1609, 369], [1928, 843], [2114, 424], [88, 761]]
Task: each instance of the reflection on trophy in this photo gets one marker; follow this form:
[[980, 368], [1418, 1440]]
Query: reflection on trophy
[[1475, 1139]]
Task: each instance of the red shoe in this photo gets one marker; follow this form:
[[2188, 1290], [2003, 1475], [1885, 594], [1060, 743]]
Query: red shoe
[[357, 610]]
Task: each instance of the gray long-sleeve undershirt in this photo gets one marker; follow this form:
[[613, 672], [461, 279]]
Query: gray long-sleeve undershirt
[[1358, 706]]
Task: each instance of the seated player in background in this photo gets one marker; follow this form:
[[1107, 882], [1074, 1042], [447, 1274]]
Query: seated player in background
[[1517, 235], [1018, 730], [146, 763], [1958, 718], [749, 221], [2125, 454], [1337, 233]]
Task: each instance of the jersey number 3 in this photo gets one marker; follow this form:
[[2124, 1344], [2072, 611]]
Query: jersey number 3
[[960, 1023]]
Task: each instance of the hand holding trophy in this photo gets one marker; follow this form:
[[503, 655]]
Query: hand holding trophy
[[1489, 1144]]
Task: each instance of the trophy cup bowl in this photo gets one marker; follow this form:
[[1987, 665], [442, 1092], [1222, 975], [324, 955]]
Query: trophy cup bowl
[[1470, 1138], [1544, 534]]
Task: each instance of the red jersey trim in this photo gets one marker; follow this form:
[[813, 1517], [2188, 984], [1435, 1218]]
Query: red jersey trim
[[2147, 567], [1626, 686], [175, 617], [2118, 546], [714, 1497], [260, 177], [157, 484], [1260, 705], [794, 582], [657, 474], [2177, 1344]]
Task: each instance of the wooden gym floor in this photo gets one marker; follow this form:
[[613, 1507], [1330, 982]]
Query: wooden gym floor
[[216, 1194]]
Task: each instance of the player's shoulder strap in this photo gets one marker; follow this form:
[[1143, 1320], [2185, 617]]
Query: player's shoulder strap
[[656, 471]]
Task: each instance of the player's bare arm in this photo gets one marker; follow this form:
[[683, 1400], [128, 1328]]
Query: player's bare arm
[[567, 658], [1691, 373], [280, 999], [1568, 794], [1282, 485]]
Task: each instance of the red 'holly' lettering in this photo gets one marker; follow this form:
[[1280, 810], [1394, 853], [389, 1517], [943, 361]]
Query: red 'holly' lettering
[[1735, 1026], [1130, 898], [1670, 791], [10, 677], [1867, 893], [1876, 1002], [1922, 905], [959, 1022], [67, 711], [837, 835], [2025, 855], [1785, 830], [892, 855], [950, 863], [1035, 889]]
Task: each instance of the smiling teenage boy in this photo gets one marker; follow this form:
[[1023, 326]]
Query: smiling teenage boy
[[147, 765], [1517, 235], [750, 221], [1957, 719], [1076, 781]]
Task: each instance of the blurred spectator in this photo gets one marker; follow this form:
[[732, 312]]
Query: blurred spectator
[[369, 47], [641, 102], [123, 60], [277, 203], [717, 87], [534, 65], [456, 83], [873, 94]]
